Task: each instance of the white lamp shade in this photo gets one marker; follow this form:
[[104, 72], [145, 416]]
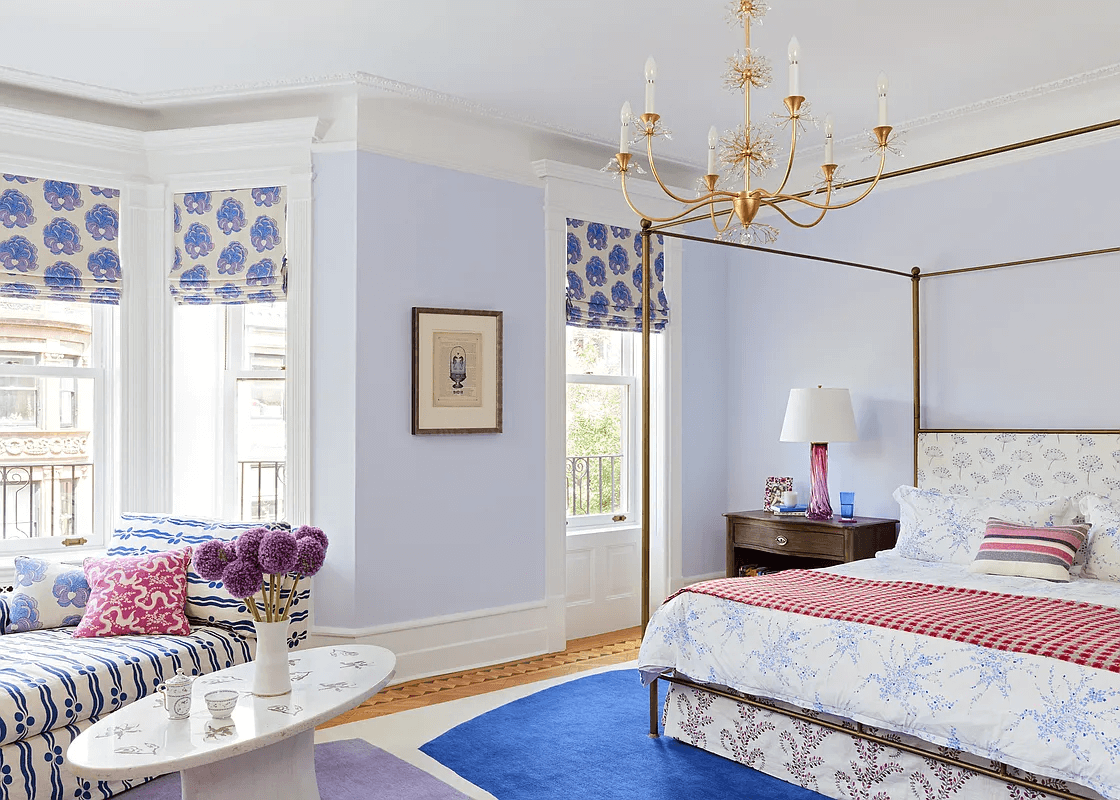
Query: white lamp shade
[[819, 415]]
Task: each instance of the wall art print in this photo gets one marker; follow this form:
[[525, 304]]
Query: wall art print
[[456, 371]]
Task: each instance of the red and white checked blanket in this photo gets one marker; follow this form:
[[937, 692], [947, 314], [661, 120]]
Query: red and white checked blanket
[[1081, 633]]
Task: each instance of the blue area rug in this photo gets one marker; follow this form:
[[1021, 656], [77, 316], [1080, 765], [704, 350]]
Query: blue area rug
[[588, 738]]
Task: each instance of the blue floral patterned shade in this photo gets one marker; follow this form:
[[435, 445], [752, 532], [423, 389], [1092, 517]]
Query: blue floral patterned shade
[[59, 241], [230, 247], [605, 277]]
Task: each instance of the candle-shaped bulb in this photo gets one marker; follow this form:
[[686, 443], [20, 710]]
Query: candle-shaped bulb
[[828, 140], [882, 98], [713, 141], [794, 62], [651, 77], [624, 137]]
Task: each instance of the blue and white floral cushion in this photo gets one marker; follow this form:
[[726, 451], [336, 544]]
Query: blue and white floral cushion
[[208, 603], [1103, 556], [947, 527], [47, 594]]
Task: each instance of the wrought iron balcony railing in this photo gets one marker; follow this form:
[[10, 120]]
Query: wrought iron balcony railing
[[594, 484], [261, 497], [44, 500]]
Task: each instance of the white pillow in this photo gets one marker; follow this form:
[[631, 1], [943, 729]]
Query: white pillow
[[950, 527], [1102, 560], [47, 594]]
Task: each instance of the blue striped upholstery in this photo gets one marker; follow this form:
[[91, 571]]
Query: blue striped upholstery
[[4, 611], [208, 603], [53, 686]]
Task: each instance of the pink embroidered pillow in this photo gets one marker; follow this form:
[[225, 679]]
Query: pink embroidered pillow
[[136, 594]]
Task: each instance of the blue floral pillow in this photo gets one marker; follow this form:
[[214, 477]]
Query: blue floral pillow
[[47, 594]]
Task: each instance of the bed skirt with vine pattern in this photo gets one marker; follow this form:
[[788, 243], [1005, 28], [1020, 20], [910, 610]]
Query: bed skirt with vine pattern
[[830, 762]]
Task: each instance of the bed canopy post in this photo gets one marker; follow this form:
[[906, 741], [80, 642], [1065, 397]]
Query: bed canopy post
[[915, 291], [647, 325]]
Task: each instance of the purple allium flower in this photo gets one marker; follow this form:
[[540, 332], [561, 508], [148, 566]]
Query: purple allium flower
[[249, 544], [278, 552], [242, 579], [305, 531], [211, 558], [310, 554]]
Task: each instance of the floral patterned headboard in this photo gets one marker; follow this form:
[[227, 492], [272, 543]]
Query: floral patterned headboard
[[1020, 465]]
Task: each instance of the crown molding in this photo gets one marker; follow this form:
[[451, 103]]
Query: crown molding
[[238, 136], [17, 122]]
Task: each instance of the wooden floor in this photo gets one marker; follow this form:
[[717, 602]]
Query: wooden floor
[[581, 654]]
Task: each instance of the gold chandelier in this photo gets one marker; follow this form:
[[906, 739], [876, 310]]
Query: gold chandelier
[[749, 151]]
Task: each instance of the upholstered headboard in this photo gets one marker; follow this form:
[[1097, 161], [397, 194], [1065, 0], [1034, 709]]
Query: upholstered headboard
[[1026, 464]]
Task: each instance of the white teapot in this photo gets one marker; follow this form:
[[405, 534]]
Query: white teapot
[[177, 695]]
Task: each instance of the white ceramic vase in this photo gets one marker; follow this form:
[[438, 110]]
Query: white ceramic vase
[[270, 673]]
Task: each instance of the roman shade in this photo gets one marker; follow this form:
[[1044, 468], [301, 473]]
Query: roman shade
[[230, 247], [59, 241], [605, 277]]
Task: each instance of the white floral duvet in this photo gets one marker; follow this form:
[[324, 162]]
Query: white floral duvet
[[1046, 716]]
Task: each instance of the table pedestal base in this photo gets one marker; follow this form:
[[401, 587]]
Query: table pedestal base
[[281, 771]]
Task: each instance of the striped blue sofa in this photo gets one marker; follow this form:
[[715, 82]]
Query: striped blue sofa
[[53, 686]]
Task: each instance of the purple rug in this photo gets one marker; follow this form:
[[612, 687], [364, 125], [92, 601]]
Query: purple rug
[[351, 769]]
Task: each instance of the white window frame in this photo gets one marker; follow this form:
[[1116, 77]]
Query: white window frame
[[236, 370], [102, 371], [631, 441]]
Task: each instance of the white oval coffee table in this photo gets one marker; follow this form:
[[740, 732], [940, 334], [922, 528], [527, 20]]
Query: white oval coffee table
[[265, 750]]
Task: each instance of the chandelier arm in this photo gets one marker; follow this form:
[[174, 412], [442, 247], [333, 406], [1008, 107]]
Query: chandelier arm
[[715, 225], [653, 170], [692, 205], [874, 183], [792, 221], [792, 150]]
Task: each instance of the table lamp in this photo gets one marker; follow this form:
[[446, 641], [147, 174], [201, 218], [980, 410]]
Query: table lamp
[[819, 416]]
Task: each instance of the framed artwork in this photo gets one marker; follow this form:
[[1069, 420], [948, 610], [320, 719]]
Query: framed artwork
[[774, 487], [456, 371]]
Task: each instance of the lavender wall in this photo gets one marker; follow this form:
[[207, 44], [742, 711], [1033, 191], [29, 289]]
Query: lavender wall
[[446, 524], [704, 314], [333, 359], [1029, 346]]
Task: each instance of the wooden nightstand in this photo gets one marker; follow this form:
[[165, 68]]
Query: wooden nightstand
[[784, 542]]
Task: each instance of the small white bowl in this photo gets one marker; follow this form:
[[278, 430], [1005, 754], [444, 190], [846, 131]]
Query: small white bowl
[[221, 703]]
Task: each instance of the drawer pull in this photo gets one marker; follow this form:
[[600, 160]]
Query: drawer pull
[[781, 541]]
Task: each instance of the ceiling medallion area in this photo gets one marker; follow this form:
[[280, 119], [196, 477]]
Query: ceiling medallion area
[[747, 153]]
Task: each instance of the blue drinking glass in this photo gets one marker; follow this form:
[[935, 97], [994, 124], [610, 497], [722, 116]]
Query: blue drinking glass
[[847, 505]]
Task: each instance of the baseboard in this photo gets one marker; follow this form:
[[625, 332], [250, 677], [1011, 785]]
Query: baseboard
[[680, 583], [439, 645]]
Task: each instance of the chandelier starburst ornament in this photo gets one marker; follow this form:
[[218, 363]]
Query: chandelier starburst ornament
[[749, 151]]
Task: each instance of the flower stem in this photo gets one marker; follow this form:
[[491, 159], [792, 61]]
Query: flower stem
[[291, 594], [251, 602], [267, 608]]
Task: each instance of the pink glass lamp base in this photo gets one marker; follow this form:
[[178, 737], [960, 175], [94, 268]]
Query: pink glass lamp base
[[819, 507]]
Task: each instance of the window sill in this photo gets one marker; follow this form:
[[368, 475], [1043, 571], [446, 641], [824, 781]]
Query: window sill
[[614, 527]]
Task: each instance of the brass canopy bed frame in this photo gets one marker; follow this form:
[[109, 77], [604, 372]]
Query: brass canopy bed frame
[[915, 276]]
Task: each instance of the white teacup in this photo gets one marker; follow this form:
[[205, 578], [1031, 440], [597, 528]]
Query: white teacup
[[221, 703]]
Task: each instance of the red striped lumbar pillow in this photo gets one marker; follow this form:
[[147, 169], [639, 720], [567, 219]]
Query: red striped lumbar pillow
[[1013, 549]]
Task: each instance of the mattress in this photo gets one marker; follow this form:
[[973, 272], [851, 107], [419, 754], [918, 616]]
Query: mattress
[[1048, 717]]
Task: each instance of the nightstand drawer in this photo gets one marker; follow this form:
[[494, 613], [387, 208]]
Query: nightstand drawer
[[782, 539]]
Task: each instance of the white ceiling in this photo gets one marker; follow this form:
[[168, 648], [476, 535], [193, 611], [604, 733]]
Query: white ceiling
[[569, 64]]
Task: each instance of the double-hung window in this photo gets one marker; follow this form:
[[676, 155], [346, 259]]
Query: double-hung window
[[602, 428], [56, 401]]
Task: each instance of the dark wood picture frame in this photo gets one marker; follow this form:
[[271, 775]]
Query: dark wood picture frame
[[489, 403]]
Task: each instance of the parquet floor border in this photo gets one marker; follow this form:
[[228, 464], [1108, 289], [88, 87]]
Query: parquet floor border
[[580, 655]]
